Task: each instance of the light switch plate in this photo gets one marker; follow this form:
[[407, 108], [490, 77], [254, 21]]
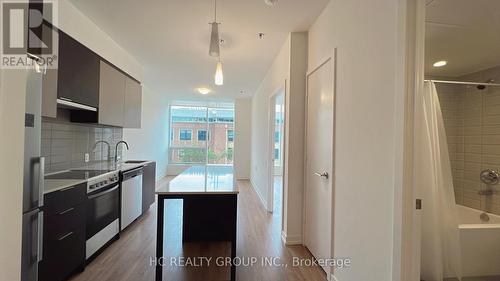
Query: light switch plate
[[87, 157]]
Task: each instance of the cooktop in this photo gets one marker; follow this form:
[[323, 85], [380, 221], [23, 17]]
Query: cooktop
[[77, 174]]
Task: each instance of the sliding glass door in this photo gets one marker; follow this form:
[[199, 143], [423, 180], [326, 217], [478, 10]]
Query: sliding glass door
[[201, 135]]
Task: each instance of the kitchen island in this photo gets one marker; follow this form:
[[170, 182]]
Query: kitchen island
[[210, 205]]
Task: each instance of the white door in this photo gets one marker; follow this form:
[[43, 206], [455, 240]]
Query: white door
[[319, 161]]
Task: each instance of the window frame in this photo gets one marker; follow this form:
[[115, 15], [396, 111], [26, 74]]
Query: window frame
[[186, 130], [227, 135], [198, 134], [184, 117]]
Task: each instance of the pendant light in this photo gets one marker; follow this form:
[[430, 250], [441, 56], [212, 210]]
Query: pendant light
[[214, 50], [219, 76]]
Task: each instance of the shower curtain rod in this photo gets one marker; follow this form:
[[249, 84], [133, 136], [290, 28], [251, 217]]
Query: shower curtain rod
[[463, 83]]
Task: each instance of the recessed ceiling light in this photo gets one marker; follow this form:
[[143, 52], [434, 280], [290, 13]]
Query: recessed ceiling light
[[203, 91], [242, 92], [440, 63], [261, 35], [271, 2]]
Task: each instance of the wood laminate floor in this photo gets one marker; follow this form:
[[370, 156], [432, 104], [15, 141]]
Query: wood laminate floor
[[259, 235]]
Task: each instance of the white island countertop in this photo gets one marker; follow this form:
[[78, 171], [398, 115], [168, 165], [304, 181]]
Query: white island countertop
[[201, 180]]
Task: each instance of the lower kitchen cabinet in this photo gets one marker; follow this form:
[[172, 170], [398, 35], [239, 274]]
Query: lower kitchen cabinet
[[63, 233], [148, 185]]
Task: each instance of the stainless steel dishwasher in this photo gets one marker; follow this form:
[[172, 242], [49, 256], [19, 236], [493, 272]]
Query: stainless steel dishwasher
[[131, 196]]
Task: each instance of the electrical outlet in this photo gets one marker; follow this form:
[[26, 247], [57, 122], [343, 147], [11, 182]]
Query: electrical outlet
[[87, 157]]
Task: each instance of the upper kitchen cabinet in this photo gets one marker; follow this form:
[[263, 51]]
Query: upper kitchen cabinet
[[112, 96], [49, 80], [78, 73], [133, 103]]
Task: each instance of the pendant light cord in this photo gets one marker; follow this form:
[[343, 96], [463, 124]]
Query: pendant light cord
[[215, 17]]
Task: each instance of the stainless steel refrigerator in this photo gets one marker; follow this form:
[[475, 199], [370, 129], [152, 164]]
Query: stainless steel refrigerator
[[32, 242]]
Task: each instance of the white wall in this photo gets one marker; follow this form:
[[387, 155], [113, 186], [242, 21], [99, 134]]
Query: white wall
[[77, 25], [286, 73], [150, 142], [294, 139], [243, 134], [275, 79], [12, 99], [365, 33]]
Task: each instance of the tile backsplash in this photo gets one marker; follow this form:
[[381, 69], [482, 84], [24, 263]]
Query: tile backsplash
[[472, 123], [64, 145]]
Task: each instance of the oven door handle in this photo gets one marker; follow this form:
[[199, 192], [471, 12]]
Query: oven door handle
[[103, 193]]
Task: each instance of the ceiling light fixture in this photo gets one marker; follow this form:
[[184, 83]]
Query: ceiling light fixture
[[440, 63], [219, 76], [203, 91], [271, 2], [214, 50]]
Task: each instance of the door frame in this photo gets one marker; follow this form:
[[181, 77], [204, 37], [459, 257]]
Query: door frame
[[333, 58], [410, 77], [270, 153]]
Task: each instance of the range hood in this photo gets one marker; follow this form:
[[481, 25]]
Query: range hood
[[69, 104]]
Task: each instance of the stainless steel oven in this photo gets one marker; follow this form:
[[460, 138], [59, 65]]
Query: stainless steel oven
[[102, 209]]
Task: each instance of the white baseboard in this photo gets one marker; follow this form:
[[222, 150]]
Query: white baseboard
[[262, 200], [291, 239]]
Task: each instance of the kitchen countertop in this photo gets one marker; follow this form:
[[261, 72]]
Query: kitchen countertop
[[201, 180], [110, 166], [55, 185], [51, 185]]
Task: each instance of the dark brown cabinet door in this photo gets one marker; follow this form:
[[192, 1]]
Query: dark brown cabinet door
[[78, 72], [148, 186], [49, 80], [63, 233]]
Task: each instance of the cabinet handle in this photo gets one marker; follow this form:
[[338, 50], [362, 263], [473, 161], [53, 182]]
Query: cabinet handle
[[65, 236], [66, 99], [66, 211], [67, 188]]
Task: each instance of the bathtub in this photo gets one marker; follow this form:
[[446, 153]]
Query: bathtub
[[480, 242]]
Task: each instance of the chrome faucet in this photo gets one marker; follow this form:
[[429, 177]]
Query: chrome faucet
[[116, 149], [109, 148]]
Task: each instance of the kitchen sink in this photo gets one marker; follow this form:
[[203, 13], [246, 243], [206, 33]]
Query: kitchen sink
[[135, 162]]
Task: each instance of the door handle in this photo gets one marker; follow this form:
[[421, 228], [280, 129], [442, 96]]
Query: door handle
[[41, 179], [323, 175], [40, 236]]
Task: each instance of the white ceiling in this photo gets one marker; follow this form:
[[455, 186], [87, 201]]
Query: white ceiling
[[171, 37], [466, 33]]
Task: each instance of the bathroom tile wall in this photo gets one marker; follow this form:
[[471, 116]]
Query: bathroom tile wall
[[64, 145], [451, 100], [472, 123]]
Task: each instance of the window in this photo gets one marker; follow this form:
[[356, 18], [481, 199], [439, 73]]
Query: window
[[276, 153], [230, 135], [202, 135], [172, 135], [185, 135], [277, 136]]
